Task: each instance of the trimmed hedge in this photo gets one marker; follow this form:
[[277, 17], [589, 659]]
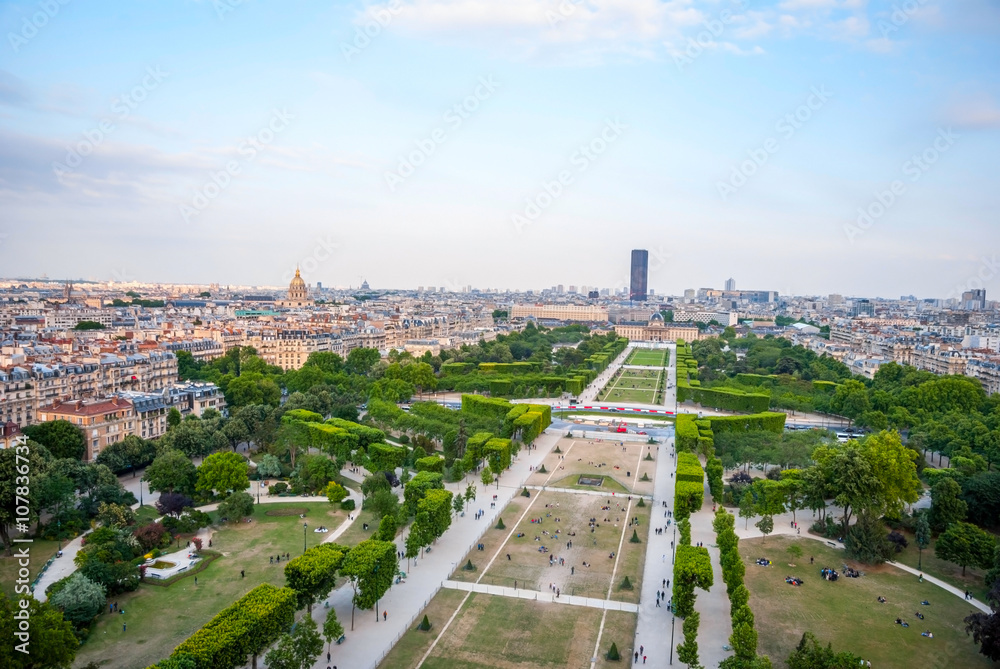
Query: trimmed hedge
[[490, 407], [242, 629], [431, 463], [688, 497], [497, 451], [689, 468], [686, 432], [771, 421], [456, 368]]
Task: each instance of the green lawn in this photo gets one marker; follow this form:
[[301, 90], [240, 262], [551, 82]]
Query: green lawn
[[846, 613], [949, 572], [572, 482], [630, 385], [609, 415], [40, 552], [649, 357], [146, 513], [161, 617], [414, 643]]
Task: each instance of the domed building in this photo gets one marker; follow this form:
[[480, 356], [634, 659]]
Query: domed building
[[298, 293]]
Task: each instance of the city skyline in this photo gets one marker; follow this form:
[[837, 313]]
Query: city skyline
[[799, 133]]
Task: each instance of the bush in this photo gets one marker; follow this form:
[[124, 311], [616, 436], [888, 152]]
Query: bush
[[613, 655], [635, 538], [649, 457], [425, 624], [542, 470], [641, 502], [626, 584], [469, 566], [525, 493], [500, 525], [645, 477], [278, 488], [348, 505]]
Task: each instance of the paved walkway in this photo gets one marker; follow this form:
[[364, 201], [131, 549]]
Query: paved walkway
[[371, 640], [595, 493], [653, 631], [538, 595]]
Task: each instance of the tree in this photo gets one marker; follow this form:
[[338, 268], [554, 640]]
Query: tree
[[746, 508], [335, 492], [809, 654], [387, 528], [13, 470], [61, 437], [985, 627], [947, 505], [115, 515], [362, 360], [313, 574], [173, 504], [223, 472], [687, 652], [332, 629], [171, 471], [269, 466], [371, 567], [923, 537], [298, 649], [383, 503], [765, 525], [237, 506], [487, 476], [173, 418], [80, 599], [49, 644], [965, 544]]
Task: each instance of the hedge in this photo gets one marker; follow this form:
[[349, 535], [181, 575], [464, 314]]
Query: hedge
[[501, 387], [474, 448], [456, 368], [728, 399], [771, 421], [497, 451], [242, 629], [431, 463], [490, 407], [385, 457], [825, 386], [933, 475], [757, 379], [688, 497], [689, 468], [686, 432], [510, 367]]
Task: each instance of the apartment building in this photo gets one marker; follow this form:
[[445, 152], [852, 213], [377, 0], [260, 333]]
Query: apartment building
[[103, 421], [584, 313]]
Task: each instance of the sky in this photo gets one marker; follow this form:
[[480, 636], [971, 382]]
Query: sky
[[802, 146]]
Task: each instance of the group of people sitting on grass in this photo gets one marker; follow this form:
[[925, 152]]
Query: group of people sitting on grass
[[829, 574], [763, 562], [792, 580]]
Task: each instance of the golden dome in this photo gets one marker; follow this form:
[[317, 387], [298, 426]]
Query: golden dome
[[297, 288]]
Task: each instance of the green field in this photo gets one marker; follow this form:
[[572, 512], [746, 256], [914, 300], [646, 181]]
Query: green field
[[160, 617], [846, 614], [634, 385], [649, 357]]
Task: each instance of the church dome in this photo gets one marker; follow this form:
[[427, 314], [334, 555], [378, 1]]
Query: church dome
[[297, 288], [656, 318]]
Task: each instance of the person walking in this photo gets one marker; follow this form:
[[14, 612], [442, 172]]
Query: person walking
[[385, 616], [124, 626]]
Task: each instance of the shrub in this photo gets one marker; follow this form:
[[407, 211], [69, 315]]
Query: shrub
[[469, 566], [500, 525], [525, 493], [645, 477], [347, 505], [613, 655], [425, 624], [641, 502], [542, 470], [649, 457], [626, 584], [635, 538]]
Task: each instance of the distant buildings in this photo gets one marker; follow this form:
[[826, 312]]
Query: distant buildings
[[730, 285], [582, 313], [639, 275], [974, 300]]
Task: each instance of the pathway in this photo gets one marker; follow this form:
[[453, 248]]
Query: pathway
[[538, 595], [652, 630], [370, 641]]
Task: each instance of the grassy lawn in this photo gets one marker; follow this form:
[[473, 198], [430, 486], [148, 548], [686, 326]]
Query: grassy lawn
[[649, 358], [411, 646], [146, 513], [40, 552], [949, 572], [633, 385], [632, 558], [571, 414], [491, 541], [517, 634], [846, 613], [161, 617]]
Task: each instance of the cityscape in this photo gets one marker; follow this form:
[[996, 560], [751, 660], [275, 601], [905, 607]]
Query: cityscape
[[443, 334]]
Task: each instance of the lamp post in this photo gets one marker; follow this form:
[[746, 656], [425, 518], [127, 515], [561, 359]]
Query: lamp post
[[140, 491], [304, 526], [672, 619]]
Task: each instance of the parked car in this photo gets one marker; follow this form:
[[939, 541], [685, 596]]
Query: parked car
[[392, 479]]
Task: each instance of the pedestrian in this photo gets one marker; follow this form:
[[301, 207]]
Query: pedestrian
[[642, 649], [385, 615], [111, 608], [644, 659], [272, 559], [508, 557], [664, 582], [636, 656], [243, 573], [327, 656], [124, 626], [196, 580]]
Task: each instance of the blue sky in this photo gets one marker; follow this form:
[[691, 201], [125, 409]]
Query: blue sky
[[516, 144]]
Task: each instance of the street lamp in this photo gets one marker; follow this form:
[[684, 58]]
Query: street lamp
[[304, 526], [672, 619], [140, 491]]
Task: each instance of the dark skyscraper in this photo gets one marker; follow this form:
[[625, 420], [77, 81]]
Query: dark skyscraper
[[640, 272]]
